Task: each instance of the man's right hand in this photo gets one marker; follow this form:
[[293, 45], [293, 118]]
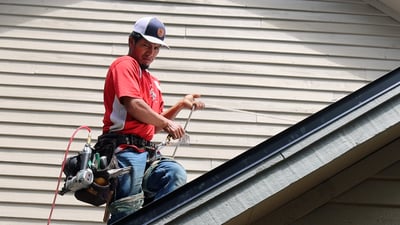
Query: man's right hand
[[175, 130]]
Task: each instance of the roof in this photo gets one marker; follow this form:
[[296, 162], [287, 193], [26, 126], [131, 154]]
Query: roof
[[275, 164]]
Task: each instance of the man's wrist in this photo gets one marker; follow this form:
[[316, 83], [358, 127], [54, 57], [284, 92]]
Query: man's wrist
[[181, 104], [164, 124]]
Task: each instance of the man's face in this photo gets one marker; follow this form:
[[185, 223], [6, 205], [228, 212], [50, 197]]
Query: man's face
[[143, 51]]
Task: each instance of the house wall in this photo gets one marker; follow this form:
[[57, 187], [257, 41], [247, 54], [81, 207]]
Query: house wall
[[260, 67]]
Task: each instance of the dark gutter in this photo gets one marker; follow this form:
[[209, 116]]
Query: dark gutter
[[261, 152]]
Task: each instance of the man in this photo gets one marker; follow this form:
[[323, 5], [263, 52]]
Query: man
[[134, 113]]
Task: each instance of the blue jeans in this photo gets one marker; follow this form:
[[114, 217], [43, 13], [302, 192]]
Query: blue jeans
[[166, 177]]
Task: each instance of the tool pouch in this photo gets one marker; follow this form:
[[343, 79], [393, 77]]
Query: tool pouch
[[102, 188], [105, 146], [100, 191], [97, 194]]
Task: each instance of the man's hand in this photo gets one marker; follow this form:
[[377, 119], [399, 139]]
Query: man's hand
[[191, 100], [175, 130], [188, 102]]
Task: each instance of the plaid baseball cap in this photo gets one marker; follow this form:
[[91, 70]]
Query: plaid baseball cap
[[151, 29]]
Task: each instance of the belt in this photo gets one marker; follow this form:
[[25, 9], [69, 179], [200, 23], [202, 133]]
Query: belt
[[128, 139]]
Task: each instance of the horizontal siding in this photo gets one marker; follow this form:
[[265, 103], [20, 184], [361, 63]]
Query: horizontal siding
[[261, 66]]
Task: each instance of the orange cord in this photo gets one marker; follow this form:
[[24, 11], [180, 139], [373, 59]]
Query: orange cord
[[62, 167]]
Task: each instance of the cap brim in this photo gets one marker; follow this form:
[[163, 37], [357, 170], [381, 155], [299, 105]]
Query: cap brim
[[155, 40]]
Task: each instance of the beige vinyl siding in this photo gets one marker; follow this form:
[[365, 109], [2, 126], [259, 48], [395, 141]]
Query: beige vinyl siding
[[269, 64]]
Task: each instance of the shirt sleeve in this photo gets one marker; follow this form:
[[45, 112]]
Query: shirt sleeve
[[126, 77]]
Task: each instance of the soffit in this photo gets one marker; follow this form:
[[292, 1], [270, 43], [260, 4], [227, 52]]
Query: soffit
[[393, 4], [389, 7]]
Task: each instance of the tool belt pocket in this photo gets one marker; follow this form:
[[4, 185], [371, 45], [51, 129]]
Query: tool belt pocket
[[101, 189], [105, 146], [99, 192]]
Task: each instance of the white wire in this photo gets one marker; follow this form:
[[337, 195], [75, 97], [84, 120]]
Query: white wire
[[248, 112]]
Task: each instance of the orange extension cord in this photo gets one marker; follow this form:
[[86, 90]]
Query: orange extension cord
[[62, 167]]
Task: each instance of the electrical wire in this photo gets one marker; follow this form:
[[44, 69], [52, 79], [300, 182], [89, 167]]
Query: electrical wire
[[63, 165], [248, 112], [220, 108]]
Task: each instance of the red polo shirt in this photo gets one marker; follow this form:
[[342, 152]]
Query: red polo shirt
[[125, 78]]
